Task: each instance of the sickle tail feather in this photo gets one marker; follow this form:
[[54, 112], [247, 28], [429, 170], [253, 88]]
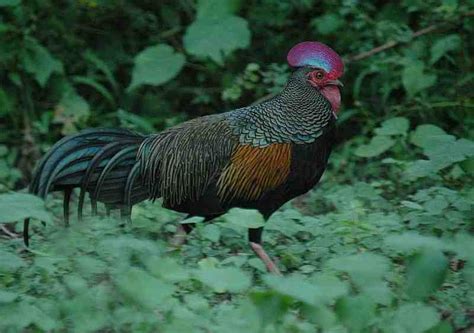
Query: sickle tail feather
[[101, 162]]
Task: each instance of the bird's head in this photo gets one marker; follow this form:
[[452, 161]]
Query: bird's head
[[323, 68]]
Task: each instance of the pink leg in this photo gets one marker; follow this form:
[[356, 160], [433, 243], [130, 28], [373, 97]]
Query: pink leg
[[179, 238], [260, 252]]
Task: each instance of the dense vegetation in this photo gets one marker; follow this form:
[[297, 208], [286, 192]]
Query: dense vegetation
[[383, 244]]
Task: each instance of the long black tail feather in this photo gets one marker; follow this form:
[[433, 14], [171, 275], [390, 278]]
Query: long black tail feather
[[101, 162]]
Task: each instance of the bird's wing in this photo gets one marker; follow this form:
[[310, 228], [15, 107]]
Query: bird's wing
[[253, 171], [180, 163]]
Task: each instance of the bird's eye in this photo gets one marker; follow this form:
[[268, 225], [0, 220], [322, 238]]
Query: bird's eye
[[319, 75]]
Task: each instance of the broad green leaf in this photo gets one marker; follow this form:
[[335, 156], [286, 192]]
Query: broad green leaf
[[71, 111], [329, 286], [18, 206], [209, 9], [378, 145], [322, 316], [37, 60], [294, 286], [426, 272], [156, 65], [411, 204], [17, 316], [209, 262], [241, 317], [211, 232], [463, 245], [363, 268], [378, 291], [216, 38], [247, 218], [442, 155], [257, 263], [167, 269], [355, 312], [413, 318], [7, 296], [393, 126], [411, 241], [303, 290], [436, 205], [420, 168], [221, 280], [75, 283], [415, 79], [271, 305], [143, 288], [285, 222], [443, 46], [445, 154], [427, 135]]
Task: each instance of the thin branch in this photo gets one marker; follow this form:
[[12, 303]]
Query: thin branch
[[375, 50], [8, 232], [391, 44]]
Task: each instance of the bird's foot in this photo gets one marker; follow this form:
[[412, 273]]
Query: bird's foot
[[179, 238], [260, 252]]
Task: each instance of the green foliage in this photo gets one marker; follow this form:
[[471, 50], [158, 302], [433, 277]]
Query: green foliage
[[383, 244], [216, 32], [377, 145], [415, 79], [18, 206], [216, 37], [156, 65], [39, 62]]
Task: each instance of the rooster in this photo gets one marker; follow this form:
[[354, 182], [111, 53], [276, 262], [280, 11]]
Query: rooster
[[256, 157]]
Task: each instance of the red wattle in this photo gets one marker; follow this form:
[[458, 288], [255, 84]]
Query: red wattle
[[333, 95]]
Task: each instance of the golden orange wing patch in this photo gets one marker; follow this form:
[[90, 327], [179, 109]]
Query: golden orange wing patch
[[253, 171]]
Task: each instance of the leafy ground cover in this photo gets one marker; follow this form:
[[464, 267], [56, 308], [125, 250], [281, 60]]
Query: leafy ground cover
[[391, 254], [383, 244]]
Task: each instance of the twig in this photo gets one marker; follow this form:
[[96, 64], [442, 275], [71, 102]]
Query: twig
[[375, 50], [8, 232], [170, 32], [391, 44]]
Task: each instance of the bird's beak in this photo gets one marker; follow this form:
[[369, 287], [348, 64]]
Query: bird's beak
[[335, 83]]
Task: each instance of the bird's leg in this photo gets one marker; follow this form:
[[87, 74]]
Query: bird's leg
[[255, 241], [66, 201], [182, 230]]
